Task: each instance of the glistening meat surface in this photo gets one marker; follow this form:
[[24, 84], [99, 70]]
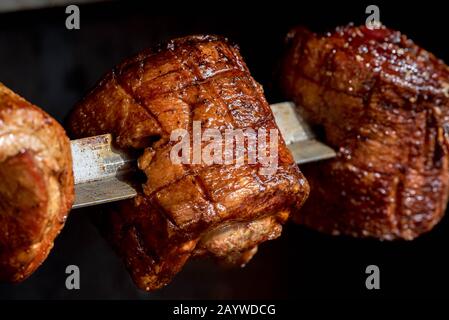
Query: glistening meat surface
[[36, 185], [382, 102], [188, 210]]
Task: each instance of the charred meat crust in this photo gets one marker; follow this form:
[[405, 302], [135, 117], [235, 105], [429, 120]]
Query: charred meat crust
[[382, 102], [188, 210], [36, 189]]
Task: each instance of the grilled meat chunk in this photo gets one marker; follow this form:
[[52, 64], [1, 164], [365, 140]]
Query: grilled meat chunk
[[36, 185], [186, 210], [382, 102]]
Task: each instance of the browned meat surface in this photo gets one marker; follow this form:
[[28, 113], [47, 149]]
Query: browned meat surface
[[382, 102], [36, 185], [188, 210]]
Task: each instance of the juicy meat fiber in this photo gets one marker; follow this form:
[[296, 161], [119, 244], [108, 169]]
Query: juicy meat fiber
[[382, 102], [188, 210], [36, 185]]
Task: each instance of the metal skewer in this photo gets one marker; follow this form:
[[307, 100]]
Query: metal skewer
[[105, 174]]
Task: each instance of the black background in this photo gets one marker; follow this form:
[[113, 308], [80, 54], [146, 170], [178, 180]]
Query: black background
[[54, 67]]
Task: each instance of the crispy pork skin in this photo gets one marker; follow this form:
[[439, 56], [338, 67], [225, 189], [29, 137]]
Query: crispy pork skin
[[186, 210], [36, 185], [382, 102]]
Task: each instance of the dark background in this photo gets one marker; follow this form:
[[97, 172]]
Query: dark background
[[54, 67]]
